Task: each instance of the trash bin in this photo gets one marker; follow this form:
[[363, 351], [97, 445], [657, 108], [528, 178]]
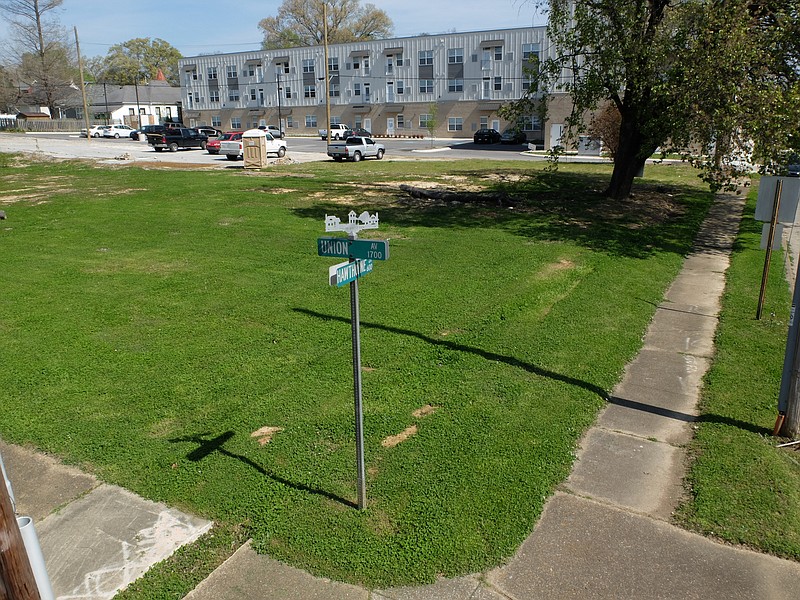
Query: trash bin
[[254, 149]]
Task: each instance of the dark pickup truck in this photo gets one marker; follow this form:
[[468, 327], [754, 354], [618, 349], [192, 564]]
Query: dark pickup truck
[[174, 138]]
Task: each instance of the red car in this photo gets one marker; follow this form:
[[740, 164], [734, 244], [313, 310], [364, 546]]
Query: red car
[[213, 144]]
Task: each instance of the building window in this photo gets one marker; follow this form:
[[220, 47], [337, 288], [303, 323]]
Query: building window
[[253, 94], [401, 122], [398, 59], [251, 70], [213, 96], [498, 84], [216, 121], [236, 123], [290, 121], [400, 87], [389, 64], [484, 122], [333, 64], [310, 91], [308, 65], [425, 57], [356, 89], [455, 124], [425, 120], [366, 65], [530, 51], [498, 53], [233, 95], [527, 81], [336, 120], [455, 56], [212, 72], [455, 85], [531, 123], [230, 71], [426, 86], [311, 120], [356, 62], [288, 89], [334, 90]]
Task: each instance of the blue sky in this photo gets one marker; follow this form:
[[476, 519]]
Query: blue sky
[[210, 26]]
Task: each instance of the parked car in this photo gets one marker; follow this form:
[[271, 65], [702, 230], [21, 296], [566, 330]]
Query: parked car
[[355, 149], [94, 131], [117, 131], [137, 134], [233, 149], [513, 136], [209, 131], [212, 146], [337, 131], [486, 136], [359, 131], [273, 131]]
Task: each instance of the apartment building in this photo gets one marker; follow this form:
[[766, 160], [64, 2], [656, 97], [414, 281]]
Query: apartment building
[[395, 87]]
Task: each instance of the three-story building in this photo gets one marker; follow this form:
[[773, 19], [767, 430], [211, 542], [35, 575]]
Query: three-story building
[[449, 85]]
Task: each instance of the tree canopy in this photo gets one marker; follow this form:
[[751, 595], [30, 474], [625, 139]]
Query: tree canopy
[[138, 59], [301, 23], [710, 76]]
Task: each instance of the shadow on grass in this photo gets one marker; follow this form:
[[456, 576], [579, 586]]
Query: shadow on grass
[[686, 417], [509, 360], [547, 207], [208, 445]]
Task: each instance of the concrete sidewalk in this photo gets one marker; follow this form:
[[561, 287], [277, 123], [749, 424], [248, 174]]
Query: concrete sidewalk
[[605, 534]]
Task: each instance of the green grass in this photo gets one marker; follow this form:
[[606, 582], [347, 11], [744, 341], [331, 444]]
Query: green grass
[[742, 488], [151, 320]]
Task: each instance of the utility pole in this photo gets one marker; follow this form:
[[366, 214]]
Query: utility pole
[[17, 581], [327, 80], [83, 86]]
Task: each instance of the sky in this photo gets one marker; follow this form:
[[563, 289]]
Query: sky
[[212, 26]]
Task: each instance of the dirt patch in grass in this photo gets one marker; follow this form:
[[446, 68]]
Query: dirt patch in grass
[[264, 434], [393, 440], [424, 411]]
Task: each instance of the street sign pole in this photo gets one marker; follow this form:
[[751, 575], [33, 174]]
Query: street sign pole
[[355, 321], [360, 254]]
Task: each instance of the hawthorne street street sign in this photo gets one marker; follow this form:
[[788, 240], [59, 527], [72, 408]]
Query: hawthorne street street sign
[[350, 248], [346, 272]]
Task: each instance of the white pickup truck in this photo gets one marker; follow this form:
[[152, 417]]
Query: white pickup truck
[[233, 149], [337, 131], [355, 148]]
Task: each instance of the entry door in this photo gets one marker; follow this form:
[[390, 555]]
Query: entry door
[[390, 91], [368, 125], [556, 133], [389, 125], [496, 125]]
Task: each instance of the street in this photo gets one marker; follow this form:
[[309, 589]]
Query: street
[[300, 149]]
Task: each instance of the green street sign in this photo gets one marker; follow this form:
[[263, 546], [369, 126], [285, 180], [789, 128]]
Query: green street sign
[[347, 248], [347, 272]]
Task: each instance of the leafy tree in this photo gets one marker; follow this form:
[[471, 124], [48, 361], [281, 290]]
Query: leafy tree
[[706, 75], [46, 61], [301, 23], [136, 60]]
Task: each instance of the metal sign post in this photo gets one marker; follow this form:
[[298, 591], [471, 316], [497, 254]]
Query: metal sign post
[[359, 254]]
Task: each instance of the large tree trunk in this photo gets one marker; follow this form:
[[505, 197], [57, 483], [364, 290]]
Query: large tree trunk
[[629, 160]]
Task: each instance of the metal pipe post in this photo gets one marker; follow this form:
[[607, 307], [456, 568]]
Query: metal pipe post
[[359, 413]]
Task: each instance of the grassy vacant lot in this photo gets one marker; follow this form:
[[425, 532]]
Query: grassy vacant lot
[[153, 320], [742, 488]]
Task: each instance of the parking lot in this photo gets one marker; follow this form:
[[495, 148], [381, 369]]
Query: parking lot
[[300, 149]]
